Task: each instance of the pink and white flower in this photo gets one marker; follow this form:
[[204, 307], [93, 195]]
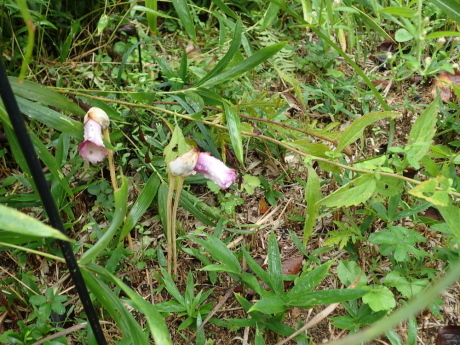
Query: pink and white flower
[[93, 148], [203, 163]]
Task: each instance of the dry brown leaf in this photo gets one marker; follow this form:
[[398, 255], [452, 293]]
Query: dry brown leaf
[[449, 335], [443, 85]]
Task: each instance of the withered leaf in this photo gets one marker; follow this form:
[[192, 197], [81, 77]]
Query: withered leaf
[[443, 85], [449, 335]]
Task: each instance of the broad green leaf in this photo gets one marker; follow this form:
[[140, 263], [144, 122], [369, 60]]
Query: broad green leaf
[[312, 196], [435, 190], [275, 271], [399, 11], [254, 60], [140, 206], [421, 134], [183, 12], [51, 118], [228, 57], [349, 271], [355, 130], [451, 215], [270, 305], [177, 146], [234, 130], [379, 298], [449, 7], [19, 223], [348, 196], [408, 287], [44, 95], [309, 299], [121, 204], [220, 252]]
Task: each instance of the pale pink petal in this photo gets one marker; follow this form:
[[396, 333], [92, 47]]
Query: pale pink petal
[[184, 164], [92, 152], [215, 170], [92, 149]]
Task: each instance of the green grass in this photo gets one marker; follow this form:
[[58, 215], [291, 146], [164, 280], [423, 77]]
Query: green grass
[[284, 94]]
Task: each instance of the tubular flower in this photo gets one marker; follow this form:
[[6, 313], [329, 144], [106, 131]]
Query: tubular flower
[[202, 162], [93, 149], [215, 170], [184, 164]]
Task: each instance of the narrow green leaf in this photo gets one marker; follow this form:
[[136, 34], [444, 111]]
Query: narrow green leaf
[[399, 11], [198, 208], [307, 282], [449, 7], [140, 206], [309, 299], [121, 204], [51, 118], [258, 270], [312, 196], [348, 196], [270, 15], [422, 132], [219, 252], [355, 130], [115, 307], [270, 305], [275, 270], [44, 95], [183, 12], [19, 223], [223, 63], [225, 9], [254, 60], [234, 131]]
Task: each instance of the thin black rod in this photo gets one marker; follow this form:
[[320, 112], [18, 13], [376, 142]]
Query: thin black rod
[[28, 150]]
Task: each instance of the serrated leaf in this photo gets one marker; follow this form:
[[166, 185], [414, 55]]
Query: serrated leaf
[[380, 298], [408, 288], [435, 190], [355, 130], [348, 196], [451, 215], [348, 271], [234, 131]]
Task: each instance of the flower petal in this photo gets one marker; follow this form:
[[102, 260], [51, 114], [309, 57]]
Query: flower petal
[[92, 152], [184, 164], [215, 170]]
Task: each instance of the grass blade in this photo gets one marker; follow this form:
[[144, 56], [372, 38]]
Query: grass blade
[[183, 12], [449, 7], [140, 206], [254, 60], [234, 130], [121, 201]]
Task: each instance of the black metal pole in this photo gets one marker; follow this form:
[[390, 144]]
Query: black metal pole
[[28, 150]]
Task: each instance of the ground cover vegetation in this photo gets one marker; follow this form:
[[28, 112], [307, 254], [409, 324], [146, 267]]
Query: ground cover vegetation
[[340, 119]]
